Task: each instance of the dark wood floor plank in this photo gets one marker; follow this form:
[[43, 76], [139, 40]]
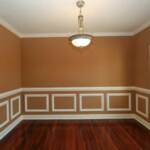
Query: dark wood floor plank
[[78, 135], [135, 130]]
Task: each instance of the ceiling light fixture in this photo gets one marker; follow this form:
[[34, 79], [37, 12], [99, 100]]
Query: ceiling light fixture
[[81, 39]]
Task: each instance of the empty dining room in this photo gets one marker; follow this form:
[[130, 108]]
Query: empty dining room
[[74, 75]]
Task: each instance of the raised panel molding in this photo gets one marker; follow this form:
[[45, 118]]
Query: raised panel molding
[[91, 95], [64, 95], [2, 104], [17, 98], [46, 96], [15, 122], [145, 98], [119, 109]]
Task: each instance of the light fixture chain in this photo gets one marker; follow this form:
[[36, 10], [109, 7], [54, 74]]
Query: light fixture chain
[[80, 21]]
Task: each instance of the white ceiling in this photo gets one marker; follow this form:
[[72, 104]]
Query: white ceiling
[[59, 17]]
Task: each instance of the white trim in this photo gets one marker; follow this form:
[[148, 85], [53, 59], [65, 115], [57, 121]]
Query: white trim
[[91, 95], [7, 113], [37, 95], [17, 98], [46, 35], [142, 90], [107, 34], [9, 27], [78, 117], [96, 34], [118, 109], [100, 88], [64, 110], [65, 89], [146, 114], [142, 121], [88, 117], [141, 28], [73, 89], [10, 93], [10, 127]]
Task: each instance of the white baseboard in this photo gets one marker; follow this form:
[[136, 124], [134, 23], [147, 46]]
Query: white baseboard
[[78, 117], [142, 121], [88, 117], [10, 127]]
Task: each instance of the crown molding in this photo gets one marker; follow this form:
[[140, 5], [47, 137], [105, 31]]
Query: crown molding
[[95, 34], [10, 27], [103, 34], [141, 28], [46, 35]]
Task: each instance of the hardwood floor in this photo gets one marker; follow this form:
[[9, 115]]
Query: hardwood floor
[[78, 135]]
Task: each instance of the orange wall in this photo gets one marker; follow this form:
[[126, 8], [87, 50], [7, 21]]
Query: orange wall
[[10, 60], [109, 61], [142, 59], [54, 62]]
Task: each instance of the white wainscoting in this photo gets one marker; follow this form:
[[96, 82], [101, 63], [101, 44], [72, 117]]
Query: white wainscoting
[[12, 100], [144, 98], [46, 96], [119, 109], [68, 117], [101, 98], [3, 104], [64, 110]]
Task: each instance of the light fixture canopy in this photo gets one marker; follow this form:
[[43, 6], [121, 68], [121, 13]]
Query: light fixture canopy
[[81, 39]]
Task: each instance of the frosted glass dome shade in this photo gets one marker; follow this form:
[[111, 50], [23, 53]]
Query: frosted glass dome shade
[[81, 40]]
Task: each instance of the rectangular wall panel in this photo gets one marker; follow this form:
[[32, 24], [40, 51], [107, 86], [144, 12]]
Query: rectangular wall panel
[[91, 102], [36, 103], [63, 102], [15, 106], [142, 105], [119, 102], [4, 113]]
